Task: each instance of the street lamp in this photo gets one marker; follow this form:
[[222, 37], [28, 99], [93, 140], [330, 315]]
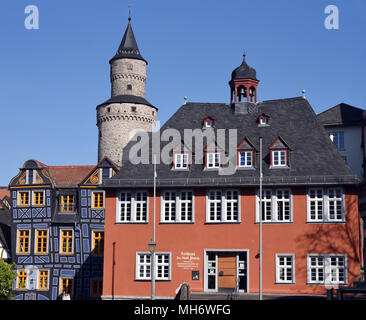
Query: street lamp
[[152, 245]]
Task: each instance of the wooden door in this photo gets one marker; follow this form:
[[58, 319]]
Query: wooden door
[[226, 270]]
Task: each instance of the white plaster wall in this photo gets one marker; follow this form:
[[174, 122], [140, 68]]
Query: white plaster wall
[[352, 147]]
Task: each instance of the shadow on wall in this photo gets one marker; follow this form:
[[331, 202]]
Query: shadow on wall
[[340, 238]]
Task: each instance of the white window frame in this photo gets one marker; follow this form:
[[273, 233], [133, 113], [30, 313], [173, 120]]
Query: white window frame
[[133, 207], [181, 160], [26, 282], [48, 279], [280, 163], [245, 153], [211, 158], [29, 197], [280, 267], [156, 266], [336, 141], [272, 203], [326, 205], [30, 241], [92, 198], [44, 198], [35, 241], [177, 203], [224, 204], [60, 242], [327, 269]]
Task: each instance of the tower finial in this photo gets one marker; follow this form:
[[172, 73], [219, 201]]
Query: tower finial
[[129, 13]]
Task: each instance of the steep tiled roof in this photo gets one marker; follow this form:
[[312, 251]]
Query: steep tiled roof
[[341, 114], [4, 192], [313, 158], [69, 176]]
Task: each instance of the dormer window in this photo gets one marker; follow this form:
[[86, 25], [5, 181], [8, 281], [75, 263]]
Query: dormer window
[[245, 159], [279, 153], [263, 120], [213, 159], [245, 153], [208, 123], [279, 158], [181, 157], [181, 161]]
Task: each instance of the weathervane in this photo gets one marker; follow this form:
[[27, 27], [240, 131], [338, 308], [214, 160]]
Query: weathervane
[[129, 13]]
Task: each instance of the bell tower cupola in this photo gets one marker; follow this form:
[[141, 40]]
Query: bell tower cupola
[[243, 83]]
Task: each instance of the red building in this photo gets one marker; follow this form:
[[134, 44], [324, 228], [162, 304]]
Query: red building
[[208, 207]]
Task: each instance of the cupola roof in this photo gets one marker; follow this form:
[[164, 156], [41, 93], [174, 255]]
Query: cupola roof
[[244, 71]]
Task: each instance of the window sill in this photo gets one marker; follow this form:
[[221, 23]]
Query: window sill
[[131, 222], [275, 222], [222, 222], [326, 222], [279, 167], [245, 168], [285, 283], [176, 222], [149, 280]]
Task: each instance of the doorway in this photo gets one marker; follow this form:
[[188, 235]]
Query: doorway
[[226, 270]]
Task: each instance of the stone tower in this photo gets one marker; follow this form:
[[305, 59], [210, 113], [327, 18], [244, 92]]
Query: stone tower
[[127, 110]]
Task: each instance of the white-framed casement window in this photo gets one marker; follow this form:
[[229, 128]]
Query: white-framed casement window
[[327, 269], [177, 206], [213, 159], [325, 205], [23, 198], [162, 266], [285, 268], [38, 197], [132, 207], [181, 160], [276, 205], [245, 159], [222, 206], [66, 241], [279, 158], [338, 139]]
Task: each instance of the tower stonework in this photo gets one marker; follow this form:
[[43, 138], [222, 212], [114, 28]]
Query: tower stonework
[[127, 110]]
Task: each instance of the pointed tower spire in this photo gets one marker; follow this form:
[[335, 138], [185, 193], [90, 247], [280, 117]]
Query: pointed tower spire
[[128, 47]]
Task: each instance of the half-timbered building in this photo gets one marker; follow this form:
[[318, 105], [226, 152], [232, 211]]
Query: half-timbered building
[[58, 230]]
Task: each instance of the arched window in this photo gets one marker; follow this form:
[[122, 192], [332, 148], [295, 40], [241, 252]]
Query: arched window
[[242, 93]]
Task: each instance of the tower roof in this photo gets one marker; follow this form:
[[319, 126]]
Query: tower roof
[[128, 47], [244, 71]]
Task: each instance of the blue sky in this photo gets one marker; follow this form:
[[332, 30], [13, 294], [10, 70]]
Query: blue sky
[[53, 78]]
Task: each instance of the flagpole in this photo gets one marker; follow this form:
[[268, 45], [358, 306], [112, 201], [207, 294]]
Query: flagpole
[[260, 218], [154, 241]]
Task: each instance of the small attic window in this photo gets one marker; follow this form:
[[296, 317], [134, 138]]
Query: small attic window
[[279, 153], [208, 123], [263, 120]]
